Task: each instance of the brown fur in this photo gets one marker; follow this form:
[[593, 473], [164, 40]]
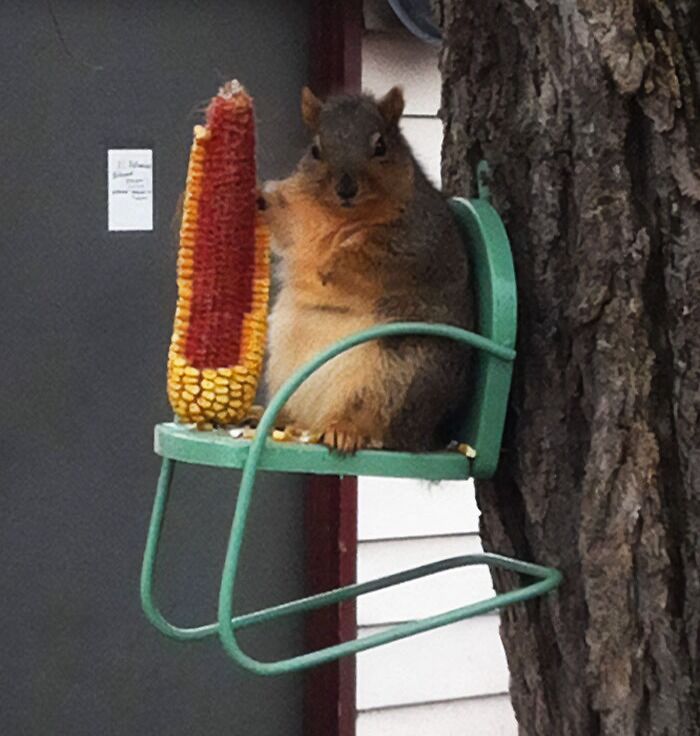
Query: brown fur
[[346, 266]]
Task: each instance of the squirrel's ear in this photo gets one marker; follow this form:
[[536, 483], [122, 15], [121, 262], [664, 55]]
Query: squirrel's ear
[[310, 108], [391, 106]]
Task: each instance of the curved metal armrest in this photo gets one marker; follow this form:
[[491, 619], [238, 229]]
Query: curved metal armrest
[[395, 329], [228, 624], [266, 424]]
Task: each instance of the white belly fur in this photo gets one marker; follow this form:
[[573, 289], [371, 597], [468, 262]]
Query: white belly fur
[[297, 334]]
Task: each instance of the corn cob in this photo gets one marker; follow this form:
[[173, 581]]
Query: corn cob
[[216, 352]]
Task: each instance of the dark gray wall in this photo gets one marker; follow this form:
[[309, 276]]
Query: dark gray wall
[[85, 320]]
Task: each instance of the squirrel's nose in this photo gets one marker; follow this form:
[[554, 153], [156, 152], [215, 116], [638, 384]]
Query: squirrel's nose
[[346, 188]]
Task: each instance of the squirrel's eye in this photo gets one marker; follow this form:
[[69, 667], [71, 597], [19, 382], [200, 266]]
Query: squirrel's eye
[[380, 146], [316, 151]]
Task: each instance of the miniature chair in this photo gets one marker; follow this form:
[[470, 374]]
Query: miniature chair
[[494, 278]]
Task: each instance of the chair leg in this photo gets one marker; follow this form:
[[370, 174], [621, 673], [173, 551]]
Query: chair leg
[[547, 579], [155, 527]]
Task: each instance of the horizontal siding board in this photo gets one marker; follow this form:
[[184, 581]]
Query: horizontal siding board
[[426, 596], [459, 661], [389, 59], [425, 138], [390, 508], [481, 716]]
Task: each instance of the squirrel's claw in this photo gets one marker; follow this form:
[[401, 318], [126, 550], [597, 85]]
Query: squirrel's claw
[[344, 437]]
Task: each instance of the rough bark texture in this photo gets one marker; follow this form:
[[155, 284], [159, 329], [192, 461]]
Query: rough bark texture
[[589, 113]]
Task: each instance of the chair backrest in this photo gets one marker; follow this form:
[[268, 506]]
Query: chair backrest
[[496, 300]]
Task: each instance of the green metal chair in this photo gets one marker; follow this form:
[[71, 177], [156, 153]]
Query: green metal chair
[[483, 427]]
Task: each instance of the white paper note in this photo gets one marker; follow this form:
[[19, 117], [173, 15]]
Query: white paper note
[[130, 189]]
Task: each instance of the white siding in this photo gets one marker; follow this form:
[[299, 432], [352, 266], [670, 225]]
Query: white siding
[[426, 596], [398, 508], [453, 680], [422, 133], [483, 716], [464, 660], [391, 59]]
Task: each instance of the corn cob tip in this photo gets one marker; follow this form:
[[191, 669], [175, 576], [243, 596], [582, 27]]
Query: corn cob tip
[[230, 89]]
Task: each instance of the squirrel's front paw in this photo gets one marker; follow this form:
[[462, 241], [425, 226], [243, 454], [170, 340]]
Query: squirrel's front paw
[[345, 438]]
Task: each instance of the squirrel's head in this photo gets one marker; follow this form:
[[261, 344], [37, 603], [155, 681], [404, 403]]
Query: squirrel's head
[[357, 154]]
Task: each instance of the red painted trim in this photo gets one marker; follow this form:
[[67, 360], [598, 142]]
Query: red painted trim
[[331, 555], [335, 49], [335, 65]]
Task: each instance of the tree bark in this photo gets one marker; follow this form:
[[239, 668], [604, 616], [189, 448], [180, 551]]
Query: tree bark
[[588, 112]]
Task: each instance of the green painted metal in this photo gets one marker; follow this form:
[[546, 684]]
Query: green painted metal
[[494, 277], [227, 632], [218, 449], [181, 443], [546, 579], [483, 427]]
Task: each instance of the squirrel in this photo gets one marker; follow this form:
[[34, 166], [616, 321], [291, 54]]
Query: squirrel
[[363, 239]]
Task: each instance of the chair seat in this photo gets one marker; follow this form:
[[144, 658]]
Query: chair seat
[[217, 448]]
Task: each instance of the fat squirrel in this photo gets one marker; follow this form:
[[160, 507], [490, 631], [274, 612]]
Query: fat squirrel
[[363, 239]]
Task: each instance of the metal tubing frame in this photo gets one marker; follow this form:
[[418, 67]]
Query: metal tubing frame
[[227, 624]]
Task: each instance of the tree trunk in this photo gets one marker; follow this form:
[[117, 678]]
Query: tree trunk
[[588, 112]]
